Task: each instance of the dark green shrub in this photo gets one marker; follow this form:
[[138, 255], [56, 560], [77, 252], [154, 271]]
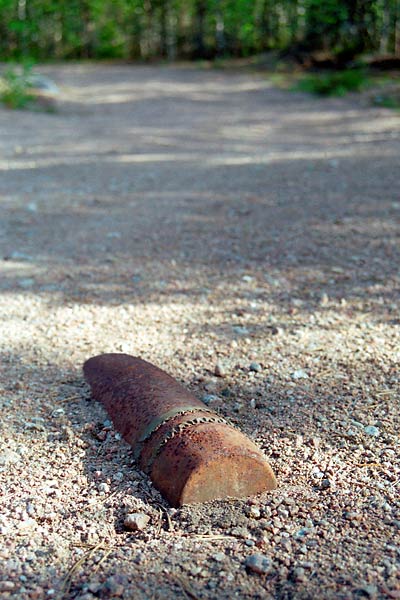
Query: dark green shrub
[[15, 88], [337, 83], [388, 100]]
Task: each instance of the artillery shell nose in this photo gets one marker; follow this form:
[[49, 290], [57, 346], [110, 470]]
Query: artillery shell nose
[[190, 452], [211, 461]]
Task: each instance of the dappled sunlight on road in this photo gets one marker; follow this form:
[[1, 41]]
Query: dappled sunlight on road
[[206, 88], [206, 160], [246, 240], [152, 187]]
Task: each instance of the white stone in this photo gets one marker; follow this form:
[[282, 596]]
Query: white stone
[[136, 521]]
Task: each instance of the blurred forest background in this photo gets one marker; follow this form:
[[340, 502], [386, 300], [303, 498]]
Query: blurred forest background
[[196, 29]]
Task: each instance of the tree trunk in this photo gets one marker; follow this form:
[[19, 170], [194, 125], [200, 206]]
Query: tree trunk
[[164, 29], [199, 41], [394, 34], [220, 41]]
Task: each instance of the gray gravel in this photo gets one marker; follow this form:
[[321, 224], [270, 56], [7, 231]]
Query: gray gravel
[[196, 218]]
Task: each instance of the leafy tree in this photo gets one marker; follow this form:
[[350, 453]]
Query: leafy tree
[[46, 29]]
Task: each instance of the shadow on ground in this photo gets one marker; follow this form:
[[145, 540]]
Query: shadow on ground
[[200, 217], [180, 181]]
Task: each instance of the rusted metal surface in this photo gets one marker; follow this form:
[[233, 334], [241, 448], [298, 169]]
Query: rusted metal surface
[[191, 453]]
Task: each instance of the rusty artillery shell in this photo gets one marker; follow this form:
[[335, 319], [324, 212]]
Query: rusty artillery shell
[[191, 453]]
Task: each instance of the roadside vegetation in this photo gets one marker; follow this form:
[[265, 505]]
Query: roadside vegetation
[[340, 30], [381, 90], [15, 89], [337, 83]]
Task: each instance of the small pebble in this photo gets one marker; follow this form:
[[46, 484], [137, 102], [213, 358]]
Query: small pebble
[[371, 430], [210, 386], [254, 512], [351, 516], [94, 587], [136, 521], [37, 593], [240, 532], [9, 457], [219, 556], [7, 586], [104, 488], [297, 302], [325, 484], [219, 370], [113, 588], [299, 574], [275, 330], [301, 533], [369, 590], [256, 367], [240, 330], [299, 374], [351, 433], [27, 524], [258, 563], [324, 300], [57, 412], [210, 399]]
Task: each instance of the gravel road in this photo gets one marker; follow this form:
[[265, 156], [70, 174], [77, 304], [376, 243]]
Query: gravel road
[[210, 223]]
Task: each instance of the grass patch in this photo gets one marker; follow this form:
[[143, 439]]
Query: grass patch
[[338, 83], [388, 100], [15, 89]]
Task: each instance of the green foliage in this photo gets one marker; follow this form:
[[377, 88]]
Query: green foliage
[[388, 100], [202, 29], [337, 83], [325, 22], [15, 87]]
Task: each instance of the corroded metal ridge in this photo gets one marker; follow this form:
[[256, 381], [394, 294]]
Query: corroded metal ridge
[[160, 420], [191, 453], [175, 430]]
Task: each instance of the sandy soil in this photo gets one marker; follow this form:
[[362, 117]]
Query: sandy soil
[[195, 218]]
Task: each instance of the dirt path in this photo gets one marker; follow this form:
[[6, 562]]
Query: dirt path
[[198, 217]]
